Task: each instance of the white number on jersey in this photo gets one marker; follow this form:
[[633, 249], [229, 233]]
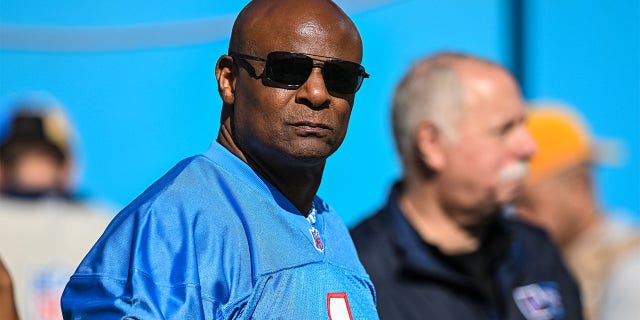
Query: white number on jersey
[[338, 306]]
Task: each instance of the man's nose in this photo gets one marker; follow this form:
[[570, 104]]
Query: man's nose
[[314, 92], [525, 145]]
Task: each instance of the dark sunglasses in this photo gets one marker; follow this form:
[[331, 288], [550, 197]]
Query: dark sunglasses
[[292, 69]]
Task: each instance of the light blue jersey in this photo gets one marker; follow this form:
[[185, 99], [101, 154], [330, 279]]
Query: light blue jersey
[[213, 240]]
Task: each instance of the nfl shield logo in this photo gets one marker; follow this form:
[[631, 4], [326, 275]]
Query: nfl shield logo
[[317, 242], [539, 301]]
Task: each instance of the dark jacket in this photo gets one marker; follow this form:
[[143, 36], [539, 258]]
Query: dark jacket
[[526, 276]]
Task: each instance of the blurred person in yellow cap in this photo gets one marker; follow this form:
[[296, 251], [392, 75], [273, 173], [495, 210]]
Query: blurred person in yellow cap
[[559, 195], [45, 229]]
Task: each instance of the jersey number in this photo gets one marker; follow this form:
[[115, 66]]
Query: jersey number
[[338, 306]]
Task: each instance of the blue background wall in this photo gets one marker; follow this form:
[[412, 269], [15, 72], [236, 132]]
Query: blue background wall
[[137, 79]]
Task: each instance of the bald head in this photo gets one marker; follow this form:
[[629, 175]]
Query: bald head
[[281, 114], [435, 90], [267, 25]]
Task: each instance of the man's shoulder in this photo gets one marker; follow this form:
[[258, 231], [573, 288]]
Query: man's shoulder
[[374, 242], [191, 181], [194, 192], [532, 244], [523, 230], [372, 227]]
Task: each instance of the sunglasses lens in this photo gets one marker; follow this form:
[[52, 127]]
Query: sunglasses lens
[[288, 69], [293, 69], [343, 76]]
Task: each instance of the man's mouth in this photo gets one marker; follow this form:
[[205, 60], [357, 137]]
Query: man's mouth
[[312, 128]]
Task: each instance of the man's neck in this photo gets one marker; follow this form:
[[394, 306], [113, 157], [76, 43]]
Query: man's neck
[[436, 226], [585, 225], [299, 184]]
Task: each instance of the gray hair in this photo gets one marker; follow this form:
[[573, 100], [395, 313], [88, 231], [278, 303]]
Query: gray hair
[[431, 91]]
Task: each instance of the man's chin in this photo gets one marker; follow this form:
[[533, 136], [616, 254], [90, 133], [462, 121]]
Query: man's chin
[[310, 152], [306, 158], [509, 193], [478, 218]]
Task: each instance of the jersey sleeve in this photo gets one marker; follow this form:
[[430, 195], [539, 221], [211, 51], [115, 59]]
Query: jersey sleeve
[[95, 297], [145, 266]]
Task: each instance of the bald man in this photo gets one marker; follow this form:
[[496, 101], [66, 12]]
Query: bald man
[[238, 232], [441, 248]]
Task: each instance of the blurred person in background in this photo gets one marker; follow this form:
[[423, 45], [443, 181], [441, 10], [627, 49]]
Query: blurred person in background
[[35, 159], [441, 247], [560, 196], [45, 229]]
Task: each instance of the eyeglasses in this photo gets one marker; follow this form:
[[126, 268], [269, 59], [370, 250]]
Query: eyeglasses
[[292, 69]]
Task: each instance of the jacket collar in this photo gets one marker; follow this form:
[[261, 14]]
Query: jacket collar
[[418, 258]]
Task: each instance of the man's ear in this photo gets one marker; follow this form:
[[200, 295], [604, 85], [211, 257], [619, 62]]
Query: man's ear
[[65, 175], [582, 179], [429, 143], [226, 79]]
